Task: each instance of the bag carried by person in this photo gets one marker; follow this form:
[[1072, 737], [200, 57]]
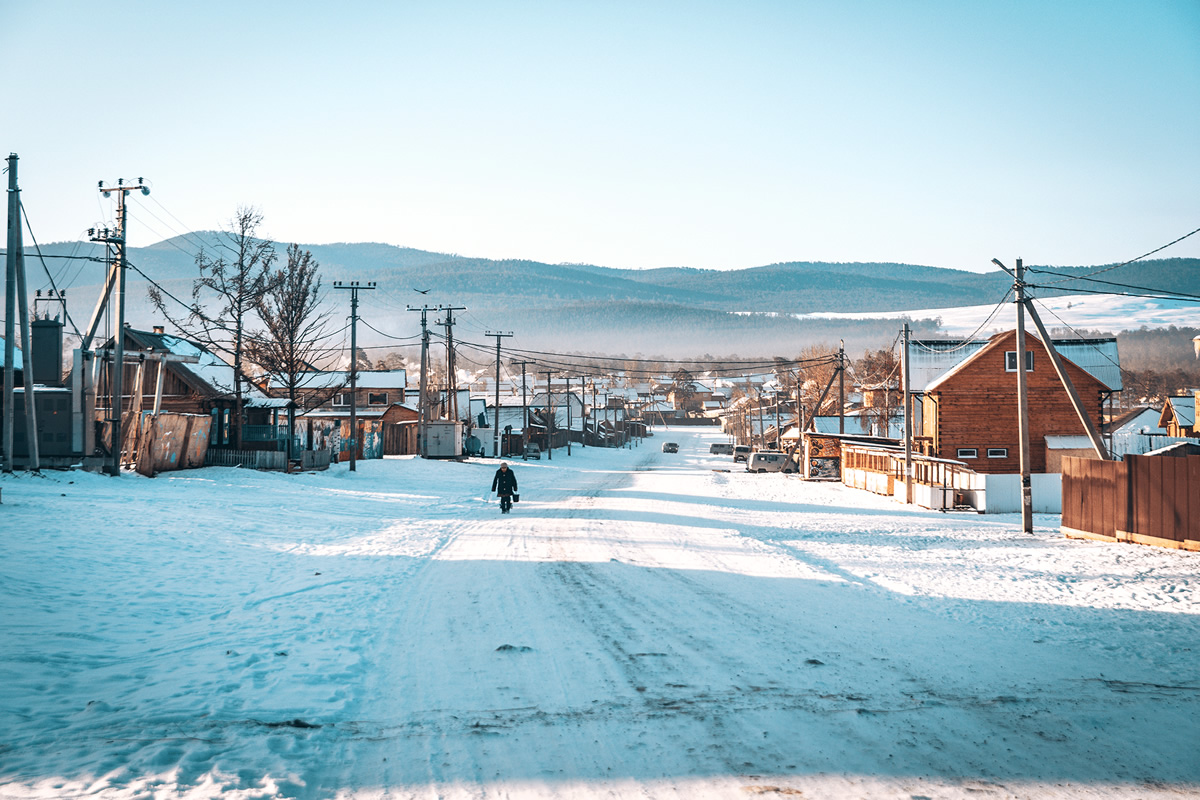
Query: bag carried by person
[[516, 498]]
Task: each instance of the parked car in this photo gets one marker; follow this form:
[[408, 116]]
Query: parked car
[[670, 447], [770, 461], [532, 450], [721, 449], [741, 453]]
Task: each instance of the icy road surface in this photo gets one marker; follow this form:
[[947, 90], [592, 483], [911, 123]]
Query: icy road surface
[[642, 625]]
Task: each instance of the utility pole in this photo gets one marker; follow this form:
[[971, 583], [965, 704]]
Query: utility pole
[[1022, 397], [568, 415], [115, 281], [355, 287], [422, 403], [908, 429], [451, 374], [14, 305], [549, 417], [841, 386], [496, 416], [524, 405]]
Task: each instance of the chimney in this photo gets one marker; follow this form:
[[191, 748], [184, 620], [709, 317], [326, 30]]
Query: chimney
[[159, 329]]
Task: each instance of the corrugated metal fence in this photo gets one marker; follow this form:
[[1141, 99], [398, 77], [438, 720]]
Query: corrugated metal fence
[[1144, 499]]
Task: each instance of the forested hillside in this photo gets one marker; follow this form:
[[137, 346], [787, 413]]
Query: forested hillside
[[658, 312]]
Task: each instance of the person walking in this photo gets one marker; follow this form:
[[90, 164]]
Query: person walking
[[505, 485]]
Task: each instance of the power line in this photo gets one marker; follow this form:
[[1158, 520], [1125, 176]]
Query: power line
[[38, 249], [970, 339], [1113, 283], [1130, 261], [1181, 298]]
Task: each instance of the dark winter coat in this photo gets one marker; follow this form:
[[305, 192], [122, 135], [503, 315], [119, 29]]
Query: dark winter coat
[[505, 482]]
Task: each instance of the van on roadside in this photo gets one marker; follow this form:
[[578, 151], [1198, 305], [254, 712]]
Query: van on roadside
[[741, 452], [721, 449], [770, 461]]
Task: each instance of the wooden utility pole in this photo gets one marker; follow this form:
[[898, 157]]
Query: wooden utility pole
[[451, 369], [496, 416], [116, 280], [1022, 397], [568, 415], [355, 287], [1088, 426], [549, 417], [841, 386], [908, 427], [422, 401], [524, 405]]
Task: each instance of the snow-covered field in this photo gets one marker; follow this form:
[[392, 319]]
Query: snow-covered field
[[642, 625], [1087, 312]]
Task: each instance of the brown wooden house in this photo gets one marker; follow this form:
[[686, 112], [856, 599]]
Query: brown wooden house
[[969, 413], [1178, 416]]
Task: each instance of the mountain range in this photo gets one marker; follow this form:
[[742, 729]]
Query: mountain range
[[669, 312]]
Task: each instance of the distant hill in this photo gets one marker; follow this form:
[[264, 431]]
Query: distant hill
[[667, 312]]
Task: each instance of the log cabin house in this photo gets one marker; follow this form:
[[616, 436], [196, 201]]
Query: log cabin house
[[969, 412], [1178, 417]]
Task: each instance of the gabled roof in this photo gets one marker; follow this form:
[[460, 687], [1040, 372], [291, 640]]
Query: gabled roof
[[1088, 350], [933, 359], [365, 379], [1183, 408]]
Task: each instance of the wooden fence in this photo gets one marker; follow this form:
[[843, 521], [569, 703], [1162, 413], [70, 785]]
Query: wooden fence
[[1145, 499], [251, 459]]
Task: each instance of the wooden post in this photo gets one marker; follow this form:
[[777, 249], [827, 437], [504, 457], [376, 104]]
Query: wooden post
[[1076, 402], [1023, 406]]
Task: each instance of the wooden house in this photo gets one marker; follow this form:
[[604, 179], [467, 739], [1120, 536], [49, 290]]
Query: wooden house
[[205, 386], [969, 413], [1178, 417]]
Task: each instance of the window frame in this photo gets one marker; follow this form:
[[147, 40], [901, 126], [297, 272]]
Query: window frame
[[371, 402], [997, 452], [974, 451], [341, 400], [1010, 364]]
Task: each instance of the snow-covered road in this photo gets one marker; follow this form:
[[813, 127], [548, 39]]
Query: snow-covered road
[[642, 625]]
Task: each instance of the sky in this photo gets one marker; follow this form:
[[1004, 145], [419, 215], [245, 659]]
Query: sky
[[624, 134]]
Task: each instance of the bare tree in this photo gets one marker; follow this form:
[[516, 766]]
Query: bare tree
[[295, 326], [226, 295]]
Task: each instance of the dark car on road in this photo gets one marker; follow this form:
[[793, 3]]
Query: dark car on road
[[670, 447]]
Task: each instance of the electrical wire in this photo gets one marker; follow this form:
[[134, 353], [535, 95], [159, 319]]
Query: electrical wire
[[1076, 289], [1114, 283], [1126, 263], [37, 248], [970, 340], [1083, 339]]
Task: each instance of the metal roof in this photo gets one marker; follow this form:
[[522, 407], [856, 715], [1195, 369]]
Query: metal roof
[[933, 358], [1185, 410], [16, 354]]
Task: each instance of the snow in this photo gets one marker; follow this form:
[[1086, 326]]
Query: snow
[[642, 625], [1109, 313]]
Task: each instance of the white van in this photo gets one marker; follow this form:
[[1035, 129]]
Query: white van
[[721, 449], [770, 461]]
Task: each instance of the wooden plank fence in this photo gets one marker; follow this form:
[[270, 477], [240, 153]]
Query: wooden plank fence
[[1144, 499], [250, 459]]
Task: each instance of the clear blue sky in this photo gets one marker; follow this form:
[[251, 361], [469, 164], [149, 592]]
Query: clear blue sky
[[639, 134]]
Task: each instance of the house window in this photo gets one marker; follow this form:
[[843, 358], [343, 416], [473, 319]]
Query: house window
[[342, 399], [377, 398], [1010, 361], [968, 452], [997, 452]]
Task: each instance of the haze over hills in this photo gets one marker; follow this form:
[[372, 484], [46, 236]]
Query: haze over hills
[[670, 312]]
